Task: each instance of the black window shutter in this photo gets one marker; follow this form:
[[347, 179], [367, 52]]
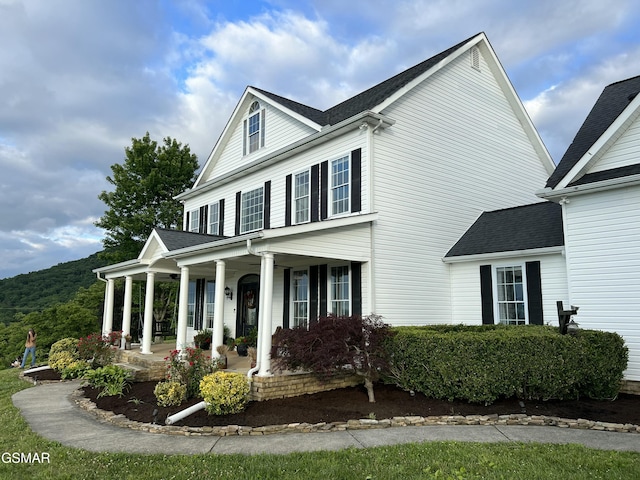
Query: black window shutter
[[262, 116], [238, 211], [322, 280], [315, 192], [202, 228], [356, 180], [324, 190], [486, 292], [313, 293], [199, 307], [221, 217], [267, 205], [186, 226], [356, 288], [534, 293], [286, 298], [287, 200], [244, 137]]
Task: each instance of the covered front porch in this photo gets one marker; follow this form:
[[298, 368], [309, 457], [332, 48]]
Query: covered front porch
[[261, 280]]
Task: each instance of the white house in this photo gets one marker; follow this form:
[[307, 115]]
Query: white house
[[300, 212], [582, 249]]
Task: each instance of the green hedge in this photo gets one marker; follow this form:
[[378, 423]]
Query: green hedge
[[483, 363]]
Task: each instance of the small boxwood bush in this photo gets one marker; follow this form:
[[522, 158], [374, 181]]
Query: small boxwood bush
[[483, 363], [225, 392]]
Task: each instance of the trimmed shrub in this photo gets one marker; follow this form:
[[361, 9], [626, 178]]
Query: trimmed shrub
[[76, 369], [225, 392], [170, 394], [481, 364], [63, 353]]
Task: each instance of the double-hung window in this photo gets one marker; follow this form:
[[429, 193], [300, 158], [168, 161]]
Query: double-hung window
[[339, 184], [194, 221], [300, 296], [301, 196], [214, 218], [209, 304], [254, 129], [191, 305], [252, 210], [339, 290], [511, 295]]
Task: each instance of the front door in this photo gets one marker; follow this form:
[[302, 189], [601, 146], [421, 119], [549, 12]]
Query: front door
[[247, 306]]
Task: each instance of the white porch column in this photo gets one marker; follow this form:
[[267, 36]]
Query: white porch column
[[183, 310], [218, 308], [126, 308], [264, 329], [148, 313], [107, 319]]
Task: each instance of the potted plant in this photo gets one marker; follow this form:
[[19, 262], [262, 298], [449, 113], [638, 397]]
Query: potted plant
[[252, 353], [222, 359], [127, 342], [242, 344], [202, 339]]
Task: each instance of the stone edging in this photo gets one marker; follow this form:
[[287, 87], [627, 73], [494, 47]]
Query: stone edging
[[361, 424]]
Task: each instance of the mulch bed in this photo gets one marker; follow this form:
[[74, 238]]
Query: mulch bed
[[341, 405]]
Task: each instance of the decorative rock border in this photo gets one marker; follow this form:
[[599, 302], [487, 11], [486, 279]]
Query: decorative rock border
[[360, 424]]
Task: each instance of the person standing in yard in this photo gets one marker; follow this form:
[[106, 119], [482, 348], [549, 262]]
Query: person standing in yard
[[30, 347]]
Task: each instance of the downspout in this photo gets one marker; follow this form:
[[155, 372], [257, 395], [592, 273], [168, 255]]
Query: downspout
[[253, 370]]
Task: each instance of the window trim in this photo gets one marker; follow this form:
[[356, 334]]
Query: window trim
[[332, 188], [243, 228], [209, 306], [215, 231], [191, 304], [496, 300], [330, 298], [294, 199], [255, 110], [293, 301], [194, 214]]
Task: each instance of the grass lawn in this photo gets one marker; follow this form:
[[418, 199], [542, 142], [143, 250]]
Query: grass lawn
[[439, 460]]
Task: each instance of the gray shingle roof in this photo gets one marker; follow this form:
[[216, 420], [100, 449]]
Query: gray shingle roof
[[176, 239], [369, 98], [525, 227], [611, 103]]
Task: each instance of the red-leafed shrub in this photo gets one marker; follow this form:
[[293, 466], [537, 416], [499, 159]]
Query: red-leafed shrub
[[335, 344]]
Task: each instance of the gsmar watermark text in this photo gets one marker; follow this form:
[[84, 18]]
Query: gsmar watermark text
[[29, 457]]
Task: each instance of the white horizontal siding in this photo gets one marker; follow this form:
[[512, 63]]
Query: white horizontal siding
[[456, 149], [603, 234], [280, 130], [277, 173], [465, 287], [625, 151]]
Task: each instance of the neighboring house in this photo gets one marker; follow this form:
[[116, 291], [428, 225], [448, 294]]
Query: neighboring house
[[299, 212], [584, 249]]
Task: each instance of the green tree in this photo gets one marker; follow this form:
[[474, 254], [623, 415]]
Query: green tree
[[143, 198]]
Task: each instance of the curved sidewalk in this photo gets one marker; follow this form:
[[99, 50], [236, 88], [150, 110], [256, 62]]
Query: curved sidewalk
[[51, 413]]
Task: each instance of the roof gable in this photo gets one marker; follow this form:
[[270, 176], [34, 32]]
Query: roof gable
[[163, 241], [526, 227], [616, 108]]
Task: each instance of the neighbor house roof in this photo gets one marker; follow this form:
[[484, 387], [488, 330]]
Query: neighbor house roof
[[176, 239], [614, 99], [368, 99], [526, 227]]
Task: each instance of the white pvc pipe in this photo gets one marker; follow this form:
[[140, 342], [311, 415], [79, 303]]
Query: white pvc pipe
[[38, 369], [176, 417]]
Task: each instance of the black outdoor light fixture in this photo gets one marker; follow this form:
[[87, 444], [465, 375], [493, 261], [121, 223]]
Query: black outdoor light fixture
[[567, 325], [228, 292]]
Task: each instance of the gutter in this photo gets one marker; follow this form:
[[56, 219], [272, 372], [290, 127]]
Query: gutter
[[549, 193]]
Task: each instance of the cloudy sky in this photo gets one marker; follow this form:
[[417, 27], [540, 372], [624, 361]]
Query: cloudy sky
[[80, 78]]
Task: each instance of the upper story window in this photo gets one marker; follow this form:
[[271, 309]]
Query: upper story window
[[252, 210], [194, 221], [301, 196], [254, 129], [214, 218], [339, 186], [509, 283]]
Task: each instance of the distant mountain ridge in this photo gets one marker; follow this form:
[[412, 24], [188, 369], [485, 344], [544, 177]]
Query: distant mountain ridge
[[38, 290]]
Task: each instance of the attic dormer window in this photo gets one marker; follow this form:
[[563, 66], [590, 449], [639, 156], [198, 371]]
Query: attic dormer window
[[254, 129]]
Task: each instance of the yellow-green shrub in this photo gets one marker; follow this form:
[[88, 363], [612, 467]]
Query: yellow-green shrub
[[75, 370], [170, 394], [63, 353], [225, 392]]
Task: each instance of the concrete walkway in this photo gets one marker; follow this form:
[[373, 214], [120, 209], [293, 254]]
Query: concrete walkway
[[50, 412]]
